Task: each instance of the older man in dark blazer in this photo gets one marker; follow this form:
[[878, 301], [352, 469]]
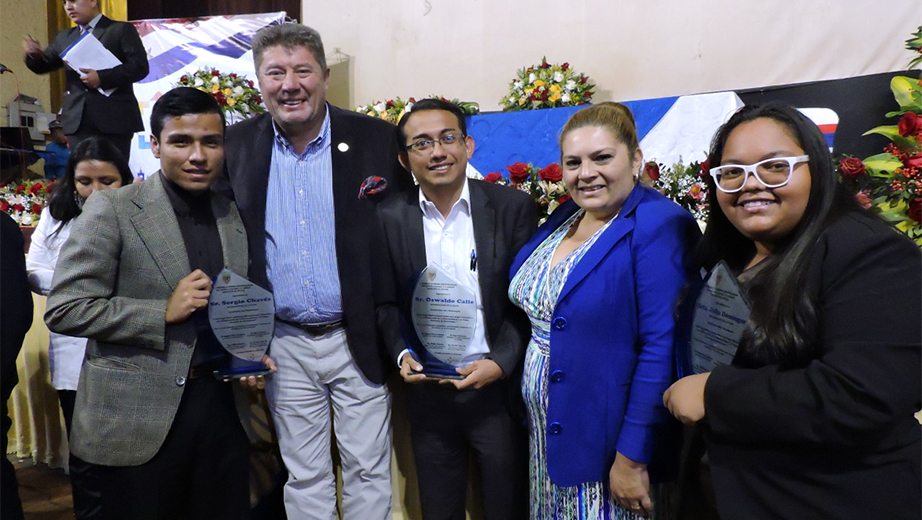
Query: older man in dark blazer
[[471, 230], [296, 175], [88, 112], [134, 277]]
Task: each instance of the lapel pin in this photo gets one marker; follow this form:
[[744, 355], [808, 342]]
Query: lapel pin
[[342, 147]]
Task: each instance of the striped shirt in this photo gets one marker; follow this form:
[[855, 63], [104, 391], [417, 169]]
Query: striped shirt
[[300, 234]]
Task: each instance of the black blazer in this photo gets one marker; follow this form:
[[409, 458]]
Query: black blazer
[[118, 113], [837, 438], [361, 146], [504, 219]]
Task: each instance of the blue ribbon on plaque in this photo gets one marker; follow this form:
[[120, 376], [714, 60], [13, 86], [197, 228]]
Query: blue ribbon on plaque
[[444, 314]]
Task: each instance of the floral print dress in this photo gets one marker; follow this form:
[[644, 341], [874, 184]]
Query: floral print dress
[[535, 288]]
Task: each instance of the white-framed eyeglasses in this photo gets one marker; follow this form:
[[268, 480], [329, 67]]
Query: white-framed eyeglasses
[[772, 173], [446, 140]]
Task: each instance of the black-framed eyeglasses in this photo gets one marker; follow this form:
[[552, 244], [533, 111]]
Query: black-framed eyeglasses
[[772, 173], [446, 140]]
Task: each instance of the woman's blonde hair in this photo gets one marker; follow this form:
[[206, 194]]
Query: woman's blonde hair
[[614, 117]]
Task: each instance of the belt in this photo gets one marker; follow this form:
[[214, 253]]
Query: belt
[[315, 330], [200, 371]]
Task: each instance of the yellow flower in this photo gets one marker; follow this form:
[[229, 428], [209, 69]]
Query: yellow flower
[[539, 83], [554, 97], [528, 91], [555, 88], [227, 91], [215, 87], [521, 101], [231, 101]]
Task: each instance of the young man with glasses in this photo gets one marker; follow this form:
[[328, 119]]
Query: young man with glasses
[[471, 230]]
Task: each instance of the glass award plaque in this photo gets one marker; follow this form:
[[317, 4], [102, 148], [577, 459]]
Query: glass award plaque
[[242, 317], [720, 316], [444, 314]]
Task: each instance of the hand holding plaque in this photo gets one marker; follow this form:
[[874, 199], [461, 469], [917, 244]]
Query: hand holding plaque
[[444, 313], [242, 317], [720, 317]]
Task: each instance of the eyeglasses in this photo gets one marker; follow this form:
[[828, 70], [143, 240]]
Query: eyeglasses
[[772, 173], [446, 140]]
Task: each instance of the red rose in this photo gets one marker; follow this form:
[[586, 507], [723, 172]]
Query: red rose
[[37, 187], [21, 188], [36, 208], [4, 206], [545, 64], [913, 162], [258, 99], [705, 169], [250, 83], [563, 199], [565, 66], [851, 168], [909, 124], [582, 79], [915, 210], [390, 104], [18, 207], [551, 173], [184, 79], [519, 172], [412, 100], [215, 73], [445, 100], [493, 177], [651, 169], [233, 75]]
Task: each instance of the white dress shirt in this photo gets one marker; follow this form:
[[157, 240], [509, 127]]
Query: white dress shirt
[[450, 245], [65, 352]]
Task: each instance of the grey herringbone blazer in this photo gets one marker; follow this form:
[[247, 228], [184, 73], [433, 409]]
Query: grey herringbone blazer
[[122, 261]]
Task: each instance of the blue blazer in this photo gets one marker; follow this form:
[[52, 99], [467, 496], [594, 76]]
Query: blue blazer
[[611, 346]]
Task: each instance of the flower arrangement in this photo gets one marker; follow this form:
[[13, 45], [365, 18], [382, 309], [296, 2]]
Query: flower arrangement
[[547, 86], [545, 185], [682, 183], [890, 183], [393, 109], [237, 95], [25, 200]]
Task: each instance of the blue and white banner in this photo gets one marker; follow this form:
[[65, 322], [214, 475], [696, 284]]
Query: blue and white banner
[[183, 46]]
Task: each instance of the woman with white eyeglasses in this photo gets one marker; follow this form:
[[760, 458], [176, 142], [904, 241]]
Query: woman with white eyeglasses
[[814, 418]]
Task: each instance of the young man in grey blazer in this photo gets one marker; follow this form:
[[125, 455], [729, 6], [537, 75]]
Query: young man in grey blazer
[[134, 277], [471, 230]]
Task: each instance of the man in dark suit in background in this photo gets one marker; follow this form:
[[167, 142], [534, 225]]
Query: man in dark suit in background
[[472, 230], [88, 112], [296, 174], [15, 321]]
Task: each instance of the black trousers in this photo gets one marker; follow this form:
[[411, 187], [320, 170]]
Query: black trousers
[[448, 427], [201, 471], [84, 478], [85, 131], [10, 506]]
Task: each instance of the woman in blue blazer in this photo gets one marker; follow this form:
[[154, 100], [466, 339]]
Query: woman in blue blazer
[[598, 281]]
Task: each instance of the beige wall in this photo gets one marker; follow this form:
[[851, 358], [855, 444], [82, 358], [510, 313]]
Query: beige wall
[[633, 49], [19, 17]]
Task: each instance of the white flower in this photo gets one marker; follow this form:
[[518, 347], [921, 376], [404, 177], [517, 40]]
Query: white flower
[[238, 91], [408, 107], [532, 77], [565, 98], [558, 76], [26, 219], [570, 85], [199, 82], [17, 216], [512, 100], [380, 107], [215, 79], [518, 85]]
